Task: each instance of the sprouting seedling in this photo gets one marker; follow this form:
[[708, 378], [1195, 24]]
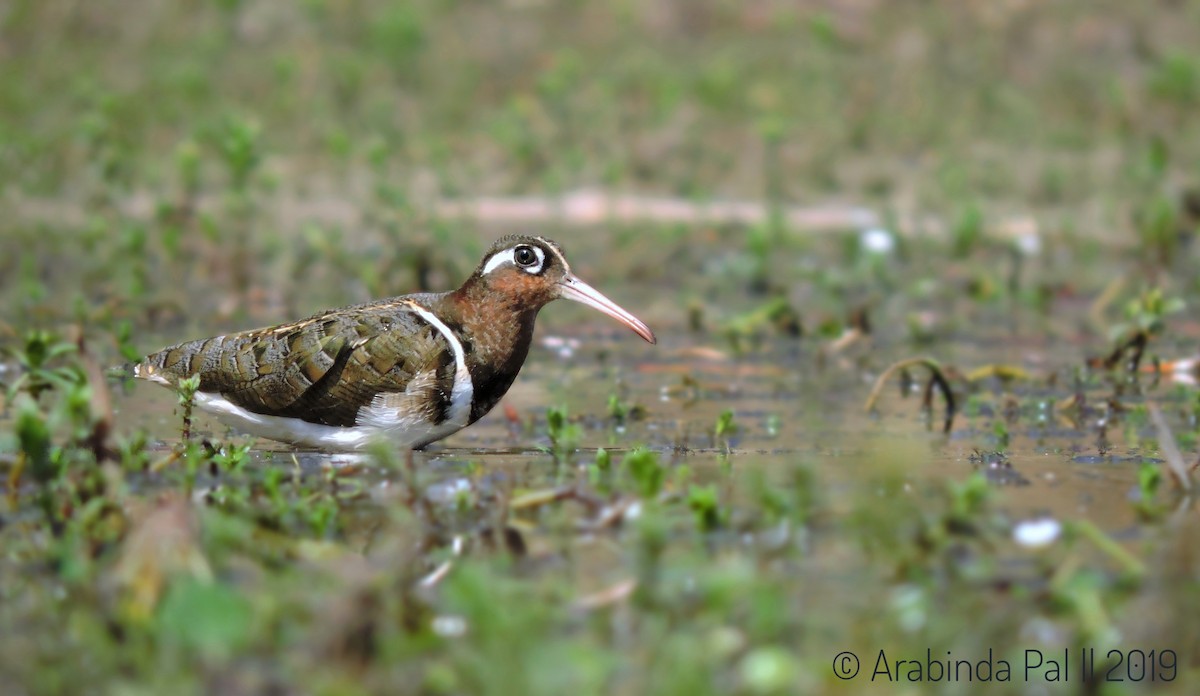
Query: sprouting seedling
[[1145, 319], [273, 488], [33, 434], [704, 502], [1149, 479], [1000, 430], [603, 460], [556, 420], [1148, 312], [746, 330], [600, 471], [1158, 223], [186, 391], [967, 231], [240, 146], [724, 428], [968, 499], [564, 435], [621, 412], [323, 517], [617, 410], [232, 458], [643, 467]]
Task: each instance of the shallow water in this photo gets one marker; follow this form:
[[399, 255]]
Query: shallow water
[[790, 407], [876, 524]]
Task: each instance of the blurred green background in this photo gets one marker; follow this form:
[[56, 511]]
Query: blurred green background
[[251, 137], [175, 169]]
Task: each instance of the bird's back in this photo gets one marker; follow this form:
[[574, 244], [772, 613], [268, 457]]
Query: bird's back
[[323, 369]]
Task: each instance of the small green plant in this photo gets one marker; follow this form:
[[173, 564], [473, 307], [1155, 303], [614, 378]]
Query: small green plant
[[185, 391], [603, 460], [600, 471], [239, 143], [621, 412], [968, 499], [653, 535], [772, 500], [43, 366], [724, 429], [746, 331], [1149, 479], [322, 516], [273, 486], [33, 435], [646, 472], [1000, 431], [564, 435], [132, 452], [1158, 227], [705, 505], [1148, 312], [967, 231], [1176, 78], [232, 458], [617, 409]]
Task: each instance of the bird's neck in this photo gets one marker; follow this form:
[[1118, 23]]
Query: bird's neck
[[496, 332]]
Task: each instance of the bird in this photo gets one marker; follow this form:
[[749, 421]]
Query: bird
[[407, 370]]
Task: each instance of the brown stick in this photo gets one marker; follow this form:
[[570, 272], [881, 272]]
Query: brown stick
[[1168, 447], [937, 377]]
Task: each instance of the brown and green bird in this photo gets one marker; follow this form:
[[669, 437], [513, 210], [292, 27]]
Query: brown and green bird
[[408, 370]]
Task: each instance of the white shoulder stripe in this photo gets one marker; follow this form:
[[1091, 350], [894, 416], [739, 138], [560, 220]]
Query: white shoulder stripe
[[463, 392]]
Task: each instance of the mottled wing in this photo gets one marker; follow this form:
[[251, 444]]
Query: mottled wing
[[323, 369]]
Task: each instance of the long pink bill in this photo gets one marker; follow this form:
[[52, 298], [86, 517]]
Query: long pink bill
[[572, 288]]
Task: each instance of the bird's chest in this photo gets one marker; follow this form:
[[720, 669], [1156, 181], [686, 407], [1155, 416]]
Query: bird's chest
[[496, 356]]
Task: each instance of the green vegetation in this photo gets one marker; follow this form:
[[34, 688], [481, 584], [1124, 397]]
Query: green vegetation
[[1007, 188]]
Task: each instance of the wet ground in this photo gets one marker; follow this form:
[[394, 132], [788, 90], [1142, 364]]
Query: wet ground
[[763, 451], [791, 404], [786, 410], [795, 197], [742, 440]]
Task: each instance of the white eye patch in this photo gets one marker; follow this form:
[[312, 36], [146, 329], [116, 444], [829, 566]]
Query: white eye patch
[[510, 256]]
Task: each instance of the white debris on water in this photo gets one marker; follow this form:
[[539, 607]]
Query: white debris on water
[[877, 240], [563, 347], [1037, 533]]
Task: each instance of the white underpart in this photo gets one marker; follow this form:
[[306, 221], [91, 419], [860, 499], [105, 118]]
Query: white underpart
[[509, 256], [374, 422], [408, 430], [283, 429]]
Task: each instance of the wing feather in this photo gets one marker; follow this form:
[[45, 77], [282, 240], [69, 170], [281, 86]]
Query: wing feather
[[323, 369]]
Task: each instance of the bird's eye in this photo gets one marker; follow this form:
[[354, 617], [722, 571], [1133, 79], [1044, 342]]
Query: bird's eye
[[525, 256]]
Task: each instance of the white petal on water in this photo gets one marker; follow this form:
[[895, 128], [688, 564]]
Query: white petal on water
[[1039, 532], [877, 240]]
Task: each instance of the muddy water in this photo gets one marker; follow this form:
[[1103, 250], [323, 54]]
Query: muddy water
[[791, 407]]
